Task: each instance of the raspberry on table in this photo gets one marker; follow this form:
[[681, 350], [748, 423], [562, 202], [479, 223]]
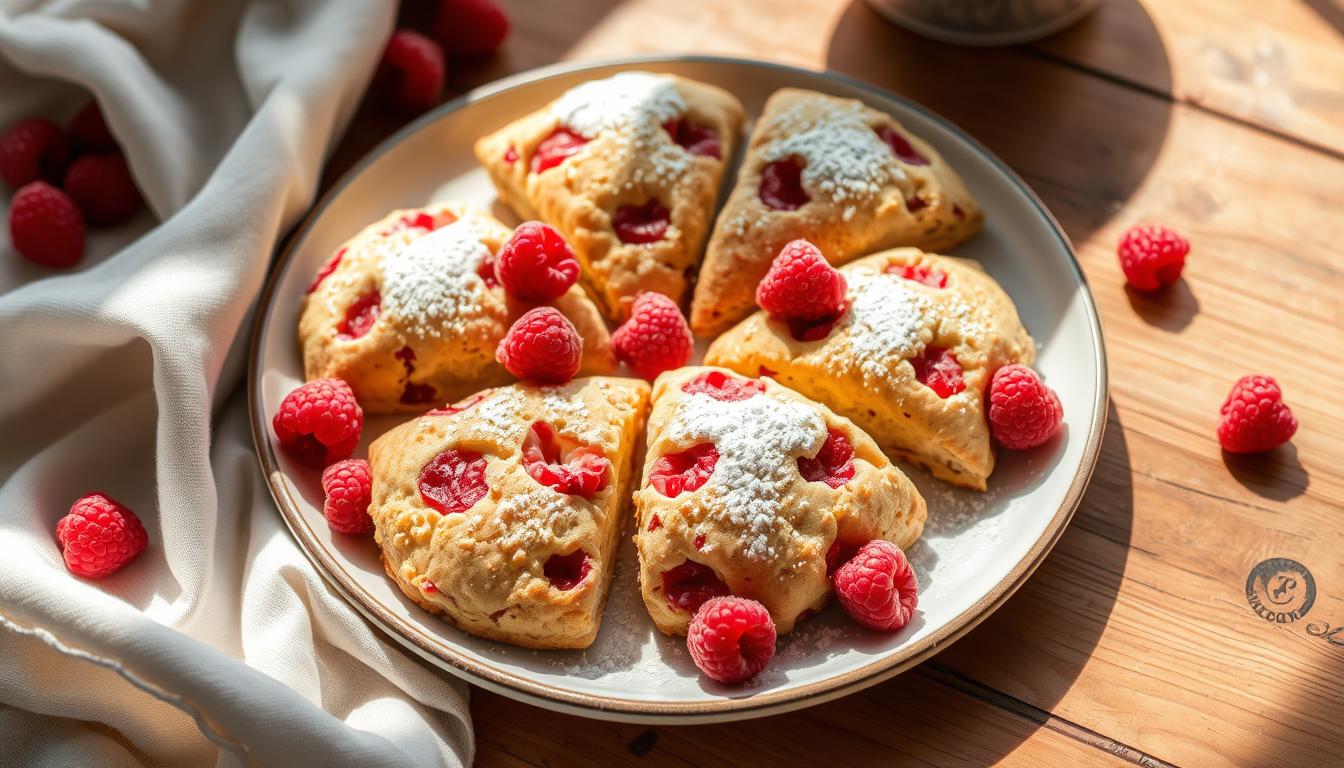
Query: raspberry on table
[[1254, 418], [536, 264], [411, 74], [31, 150], [347, 488], [1022, 411], [46, 226], [656, 338], [542, 347], [877, 587], [103, 188], [470, 28], [731, 639], [319, 422], [1152, 256], [99, 536], [801, 284], [89, 129]]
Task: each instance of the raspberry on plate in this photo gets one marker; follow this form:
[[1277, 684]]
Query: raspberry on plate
[[1254, 418], [46, 226], [656, 338], [89, 129], [542, 347], [877, 587], [32, 150], [731, 639], [347, 488], [1022, 411], [1152, 256], [470, 28], [536, 264], [103, 188], [410, 76], [99, 536], [319, 422], [801, 284]]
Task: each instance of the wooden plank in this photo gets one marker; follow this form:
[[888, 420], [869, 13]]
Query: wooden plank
[[916, 720]]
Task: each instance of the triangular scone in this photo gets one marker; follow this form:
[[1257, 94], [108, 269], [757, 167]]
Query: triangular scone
[[846, 177], [908, 360], [752, 489], [408, 311], [502, 512], [628, 168]]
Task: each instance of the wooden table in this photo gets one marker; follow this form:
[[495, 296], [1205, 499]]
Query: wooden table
[[1135, 641]]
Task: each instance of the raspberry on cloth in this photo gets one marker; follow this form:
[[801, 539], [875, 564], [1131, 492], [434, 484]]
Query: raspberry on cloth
[[215, 641]]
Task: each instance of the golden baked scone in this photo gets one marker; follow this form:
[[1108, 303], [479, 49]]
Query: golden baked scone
[[408, 311], [502, 512], [628, 168], [751, 489], [908, 359], [846, 177]]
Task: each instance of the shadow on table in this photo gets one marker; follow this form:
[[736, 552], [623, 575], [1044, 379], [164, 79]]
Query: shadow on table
[[1085, 143]]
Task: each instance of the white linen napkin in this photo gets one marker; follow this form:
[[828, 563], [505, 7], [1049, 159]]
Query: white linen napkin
[[221, 644]]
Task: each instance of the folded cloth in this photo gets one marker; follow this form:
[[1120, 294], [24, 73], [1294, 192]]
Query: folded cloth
[[221, 644]]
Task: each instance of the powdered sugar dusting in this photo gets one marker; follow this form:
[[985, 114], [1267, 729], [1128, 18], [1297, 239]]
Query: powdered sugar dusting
[[500, 416], [617, 102], [845, 160], [885, 320], [432, 282], [531, 519], [758, 440]]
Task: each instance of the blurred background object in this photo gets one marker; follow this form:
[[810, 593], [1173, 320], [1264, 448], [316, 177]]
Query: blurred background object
[[985, 22]]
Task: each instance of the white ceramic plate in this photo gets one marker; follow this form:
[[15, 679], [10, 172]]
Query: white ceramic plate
[[976, 550]]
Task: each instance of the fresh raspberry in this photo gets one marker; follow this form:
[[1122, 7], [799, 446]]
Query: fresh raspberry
[[99, 536], [731, 639], [1023, 411], [470, 28], [89, 130], [31, 150], [319, 422], [656, 338], [410, 76], [801, 284], [46, 226], [877, 587], [536, 264], [103, 188], [1152, 256], [542, 347], [1255, 418], [348, 486]]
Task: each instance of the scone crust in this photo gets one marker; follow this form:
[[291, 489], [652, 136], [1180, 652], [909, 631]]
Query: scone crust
[[401, 367], [483, 569], [861, 378], [615, 168], [748, 234], [785, 567]]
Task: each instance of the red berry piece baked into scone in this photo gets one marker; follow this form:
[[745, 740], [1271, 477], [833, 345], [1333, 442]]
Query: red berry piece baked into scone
[[751, 489], [501, 512], [907, 356], [628, 168], [845, 176], [409, 311]]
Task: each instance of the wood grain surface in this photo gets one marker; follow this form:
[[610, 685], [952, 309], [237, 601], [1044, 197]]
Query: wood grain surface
[[1135, 642]]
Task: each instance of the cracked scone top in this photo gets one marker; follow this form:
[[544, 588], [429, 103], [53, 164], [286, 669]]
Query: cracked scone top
[[752, 489], [628, 169], [408, 312], [908, 359], [501, 513], [841, 174]]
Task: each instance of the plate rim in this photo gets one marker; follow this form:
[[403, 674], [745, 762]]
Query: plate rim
[[605, 707]]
